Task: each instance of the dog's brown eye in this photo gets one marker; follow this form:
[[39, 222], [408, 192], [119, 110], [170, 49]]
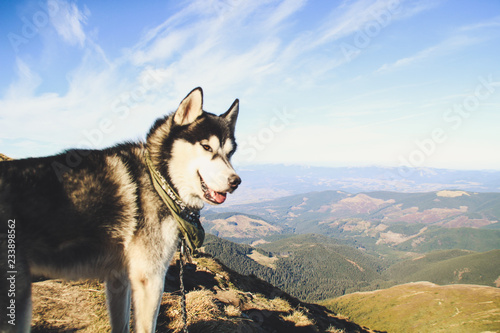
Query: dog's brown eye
[[207, 148]]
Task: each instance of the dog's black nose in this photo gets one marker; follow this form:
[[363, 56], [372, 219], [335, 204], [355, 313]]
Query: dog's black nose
[[234, 181]]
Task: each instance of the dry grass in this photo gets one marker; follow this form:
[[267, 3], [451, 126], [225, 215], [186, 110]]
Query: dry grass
[[204, 313], [60, 306], [260, 302], [201, 306], [232, 311], [299, 319], [211, 266]]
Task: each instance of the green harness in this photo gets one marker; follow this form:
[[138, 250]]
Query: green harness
[[188, 220]]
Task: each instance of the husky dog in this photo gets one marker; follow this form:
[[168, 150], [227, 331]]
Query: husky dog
[[98, 214]]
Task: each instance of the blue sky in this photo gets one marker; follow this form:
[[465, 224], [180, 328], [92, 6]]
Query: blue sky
[[331, 83]]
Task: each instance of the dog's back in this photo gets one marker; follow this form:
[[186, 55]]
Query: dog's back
[[68, 217], [64, 216]]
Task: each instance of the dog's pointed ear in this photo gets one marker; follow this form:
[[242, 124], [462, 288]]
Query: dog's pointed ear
[[190, 108], [232, 114]]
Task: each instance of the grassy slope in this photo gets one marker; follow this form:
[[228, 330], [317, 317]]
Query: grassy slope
[[423, 307], [332, 268], [449, 266]]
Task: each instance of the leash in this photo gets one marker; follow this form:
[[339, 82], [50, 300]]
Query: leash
[[184, 254], [191, 231]]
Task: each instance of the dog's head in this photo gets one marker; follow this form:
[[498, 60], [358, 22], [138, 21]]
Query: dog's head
[[192, 149]]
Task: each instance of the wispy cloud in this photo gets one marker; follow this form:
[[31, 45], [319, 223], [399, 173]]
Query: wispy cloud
[[491, 23], [409, 8], [445, 47], [349, 19], [68, 22], [284, 10], [460, 38], [356, 16], [224, 46], [26, 83], [258, 51], [244, 39]]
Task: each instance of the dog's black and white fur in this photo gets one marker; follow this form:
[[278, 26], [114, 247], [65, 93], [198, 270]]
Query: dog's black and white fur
[[95, 213]]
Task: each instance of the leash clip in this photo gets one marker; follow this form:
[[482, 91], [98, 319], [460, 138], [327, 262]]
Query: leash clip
[[186, 251]]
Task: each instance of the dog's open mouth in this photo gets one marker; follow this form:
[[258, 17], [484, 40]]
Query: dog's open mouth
[[211, 195]]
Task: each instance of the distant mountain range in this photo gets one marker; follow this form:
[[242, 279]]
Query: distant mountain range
[[418, 222], [265, 182]]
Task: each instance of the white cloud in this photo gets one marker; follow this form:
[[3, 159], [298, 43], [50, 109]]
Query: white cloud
[[232, 49], [162, 48], [358, 15], [459, 39], [68, 22], [224, 45], [447, 46], [284, 10], [491, 23], [26, 83], [347, 22], [414, 7]]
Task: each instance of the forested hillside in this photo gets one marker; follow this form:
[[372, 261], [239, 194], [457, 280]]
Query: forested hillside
[[314, 267], [310, 267]]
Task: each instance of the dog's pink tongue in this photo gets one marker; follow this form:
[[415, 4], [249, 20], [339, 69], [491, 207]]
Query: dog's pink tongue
[[218, 197]]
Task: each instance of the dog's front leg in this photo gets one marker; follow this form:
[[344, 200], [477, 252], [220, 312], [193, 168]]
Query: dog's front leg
[[147, 290], [118, 301]]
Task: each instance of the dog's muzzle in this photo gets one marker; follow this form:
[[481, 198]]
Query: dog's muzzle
[[216, 197]]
